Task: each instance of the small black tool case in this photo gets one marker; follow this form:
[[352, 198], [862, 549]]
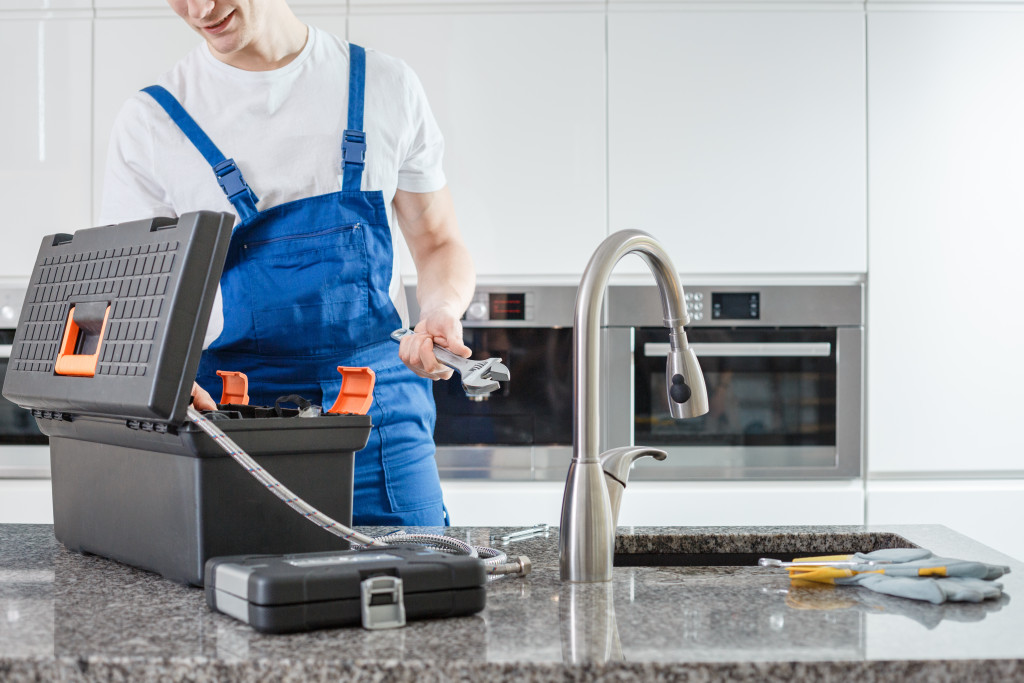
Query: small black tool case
[[375, 587], [105, 355]]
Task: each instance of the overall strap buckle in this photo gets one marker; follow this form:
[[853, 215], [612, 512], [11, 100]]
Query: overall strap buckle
[[353, 148], [232, 182]]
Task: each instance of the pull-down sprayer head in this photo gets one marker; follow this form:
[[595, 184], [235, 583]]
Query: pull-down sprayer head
[[684, 382]]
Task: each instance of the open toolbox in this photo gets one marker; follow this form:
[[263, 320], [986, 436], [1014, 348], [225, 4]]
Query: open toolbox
[[105, 355]]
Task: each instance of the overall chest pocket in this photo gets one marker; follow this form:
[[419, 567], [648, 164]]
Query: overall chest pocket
[[310, 290]]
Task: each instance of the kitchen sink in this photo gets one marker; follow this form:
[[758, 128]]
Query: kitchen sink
[[744, 549]]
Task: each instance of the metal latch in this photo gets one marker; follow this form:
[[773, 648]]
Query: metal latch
[[383, 604]]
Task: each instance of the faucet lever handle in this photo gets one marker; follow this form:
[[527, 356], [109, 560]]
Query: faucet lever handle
[[617, 461], [616, 464]]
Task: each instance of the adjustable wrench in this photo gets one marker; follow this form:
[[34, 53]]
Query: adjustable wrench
[[479, 377]]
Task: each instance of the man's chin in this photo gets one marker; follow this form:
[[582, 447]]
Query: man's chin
[[223, 46]]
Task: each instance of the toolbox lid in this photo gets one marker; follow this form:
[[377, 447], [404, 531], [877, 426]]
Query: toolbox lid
[[114, 318]]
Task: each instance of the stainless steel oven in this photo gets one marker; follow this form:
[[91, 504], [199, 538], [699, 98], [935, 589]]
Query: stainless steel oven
[[23, 448], [783, 367]]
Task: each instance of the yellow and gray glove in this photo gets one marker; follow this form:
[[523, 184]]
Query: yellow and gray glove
[[905, 572]]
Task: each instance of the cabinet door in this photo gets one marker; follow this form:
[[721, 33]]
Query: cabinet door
[[647, 503], [26, 501], [737, 137], [45, 124], [944, 330], [132, 50], [986, 510], [520, 98]]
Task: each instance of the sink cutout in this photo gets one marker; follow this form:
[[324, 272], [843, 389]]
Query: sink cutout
[[744, 550]]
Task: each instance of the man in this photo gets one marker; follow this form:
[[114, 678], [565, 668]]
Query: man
[[311, 279]]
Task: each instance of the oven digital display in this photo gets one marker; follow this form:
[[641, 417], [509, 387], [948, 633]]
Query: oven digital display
[[735, 306], [507, 306]]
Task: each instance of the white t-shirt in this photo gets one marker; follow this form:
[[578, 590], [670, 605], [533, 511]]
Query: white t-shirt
[[284, 130]]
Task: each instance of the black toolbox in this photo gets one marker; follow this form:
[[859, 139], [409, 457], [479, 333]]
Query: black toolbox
[[105, 355], [375, 587]]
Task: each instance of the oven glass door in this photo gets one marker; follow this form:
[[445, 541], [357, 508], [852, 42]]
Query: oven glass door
[[766, 387], [533, 408], [17, 426]]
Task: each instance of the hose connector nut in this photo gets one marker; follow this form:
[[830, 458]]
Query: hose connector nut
[[525, 566]]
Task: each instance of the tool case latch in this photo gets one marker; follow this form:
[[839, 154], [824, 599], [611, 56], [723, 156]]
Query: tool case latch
[[383, 602]]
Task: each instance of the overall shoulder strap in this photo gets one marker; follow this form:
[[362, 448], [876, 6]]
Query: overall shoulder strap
[[353, 144], [227, 173]]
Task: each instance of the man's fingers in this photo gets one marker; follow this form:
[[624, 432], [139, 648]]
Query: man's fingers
[[459, 349], [417, 352], [201, 398], [428, 361]]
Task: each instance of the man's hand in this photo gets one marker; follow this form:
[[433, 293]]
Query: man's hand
[[201, 398], [442, 327]]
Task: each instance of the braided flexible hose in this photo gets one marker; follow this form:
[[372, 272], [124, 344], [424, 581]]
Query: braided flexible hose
[[495, 561], [276, 487]]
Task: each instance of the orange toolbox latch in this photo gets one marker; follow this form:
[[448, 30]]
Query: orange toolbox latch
[[236, 388], [356, 394]]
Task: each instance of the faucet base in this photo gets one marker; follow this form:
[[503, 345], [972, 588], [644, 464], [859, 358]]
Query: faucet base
[[586, 537]]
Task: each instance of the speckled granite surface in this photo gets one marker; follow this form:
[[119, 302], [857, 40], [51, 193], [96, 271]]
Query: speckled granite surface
[[70, 617]]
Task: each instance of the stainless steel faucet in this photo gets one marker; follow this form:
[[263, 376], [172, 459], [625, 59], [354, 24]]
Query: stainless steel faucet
[[587, 531]]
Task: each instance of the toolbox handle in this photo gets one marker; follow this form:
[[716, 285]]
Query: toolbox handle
[[83, 335], [356, 394]]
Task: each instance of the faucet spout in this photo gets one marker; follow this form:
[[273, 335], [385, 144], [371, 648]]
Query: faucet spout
[[586, 535]]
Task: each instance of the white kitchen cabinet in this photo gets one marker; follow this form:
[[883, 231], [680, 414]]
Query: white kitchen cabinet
[[26, 501], [123, 6], [944, 330], [45, 122], [739, 503], [131, 53], [499, 503], [646, 503], [47, 6], [520, 98], [737, 137], [987, 510]]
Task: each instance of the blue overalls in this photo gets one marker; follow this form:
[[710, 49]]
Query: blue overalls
[[305, 289]]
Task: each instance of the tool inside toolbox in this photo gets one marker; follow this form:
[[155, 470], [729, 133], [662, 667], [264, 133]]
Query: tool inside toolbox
[[355, 398]]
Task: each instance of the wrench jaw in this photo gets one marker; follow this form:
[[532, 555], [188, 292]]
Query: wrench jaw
[[497, 371], [482, 380], [481, 391]]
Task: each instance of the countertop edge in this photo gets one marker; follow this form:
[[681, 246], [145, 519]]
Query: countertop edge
[[17, 670]]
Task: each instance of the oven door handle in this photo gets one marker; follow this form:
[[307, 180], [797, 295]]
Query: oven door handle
[[740, 350], [5, 351]]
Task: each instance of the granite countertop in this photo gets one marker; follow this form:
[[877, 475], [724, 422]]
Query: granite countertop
[[69, 617]]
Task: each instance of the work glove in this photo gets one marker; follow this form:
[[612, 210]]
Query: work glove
[[906, 572], [935, 591]]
